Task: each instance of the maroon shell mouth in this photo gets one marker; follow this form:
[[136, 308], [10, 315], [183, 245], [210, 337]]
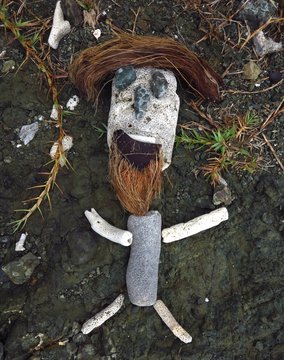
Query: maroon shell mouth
[[138, 153]]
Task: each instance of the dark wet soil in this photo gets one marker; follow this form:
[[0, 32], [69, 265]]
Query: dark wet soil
[[225, 286]]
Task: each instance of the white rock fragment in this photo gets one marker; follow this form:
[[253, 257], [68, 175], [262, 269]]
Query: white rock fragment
[[206, 300], [265, 45], [97, 33], [103, 315], [19, 246], [60, 27], [160, 119], [201, 223], [103, 228], [54, 113], [27, 132], [2, 54], [171, 322], [67, 143], [72, 103]]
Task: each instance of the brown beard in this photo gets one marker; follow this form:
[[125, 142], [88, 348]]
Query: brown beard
[[96, 65], [135, 188]]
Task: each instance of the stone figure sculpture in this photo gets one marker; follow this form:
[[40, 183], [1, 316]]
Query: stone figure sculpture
[[140, 135]]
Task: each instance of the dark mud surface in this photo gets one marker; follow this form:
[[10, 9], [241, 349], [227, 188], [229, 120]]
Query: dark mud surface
[[225, 286]]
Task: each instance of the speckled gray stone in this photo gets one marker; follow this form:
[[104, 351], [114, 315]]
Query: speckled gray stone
[[158, 84], [124, 77], [161, 117], [20, 270], [141, 100], [143, 265]]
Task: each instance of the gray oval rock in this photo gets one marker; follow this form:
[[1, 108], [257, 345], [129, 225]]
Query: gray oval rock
[[21, 269], [124, 77], [158, 84], [143, 264]]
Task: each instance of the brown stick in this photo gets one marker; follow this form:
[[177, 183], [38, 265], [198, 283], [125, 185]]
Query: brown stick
[[273, 151]]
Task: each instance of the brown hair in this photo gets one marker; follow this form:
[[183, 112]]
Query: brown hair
[[95, 65]]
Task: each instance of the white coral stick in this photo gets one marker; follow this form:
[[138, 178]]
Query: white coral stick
[[20, 244], [60, 27], [194, 226], [171, 322], [103, 228], [103, 315]]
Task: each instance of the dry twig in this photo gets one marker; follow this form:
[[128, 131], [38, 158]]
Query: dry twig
[[273, 151]]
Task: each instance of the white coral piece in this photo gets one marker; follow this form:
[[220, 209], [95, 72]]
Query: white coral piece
[[171, 322], [108, 231], [60, 27], [194, 226], [103, 315]]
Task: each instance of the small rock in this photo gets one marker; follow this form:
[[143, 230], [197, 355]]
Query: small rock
[[27, 132], [141, 100], [259, 346], [251, 71], [265, 45], [72, 11], [124, 77], [72, 102], [222, 194], [257, 12], [267, 218], [275, 76], [102, 17], [8, 66], [143, 265], [158, 84], [20, 270], [97, 33]]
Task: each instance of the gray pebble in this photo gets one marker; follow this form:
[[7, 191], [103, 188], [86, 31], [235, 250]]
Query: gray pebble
[[8, 66], [143, 265], [141, 100], [158, 84], [257, 12], [222, 195], [259, 346], [124, 77], [20, 270]]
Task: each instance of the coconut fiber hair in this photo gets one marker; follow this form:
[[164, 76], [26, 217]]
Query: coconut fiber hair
[[135, 175], [96, 65]]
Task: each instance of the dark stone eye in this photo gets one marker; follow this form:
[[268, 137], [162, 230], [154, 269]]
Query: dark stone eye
[[141, 99], [124, 77], [158, 84]]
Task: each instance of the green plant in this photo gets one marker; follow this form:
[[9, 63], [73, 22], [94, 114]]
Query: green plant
[[101, 131], [228, 146]]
